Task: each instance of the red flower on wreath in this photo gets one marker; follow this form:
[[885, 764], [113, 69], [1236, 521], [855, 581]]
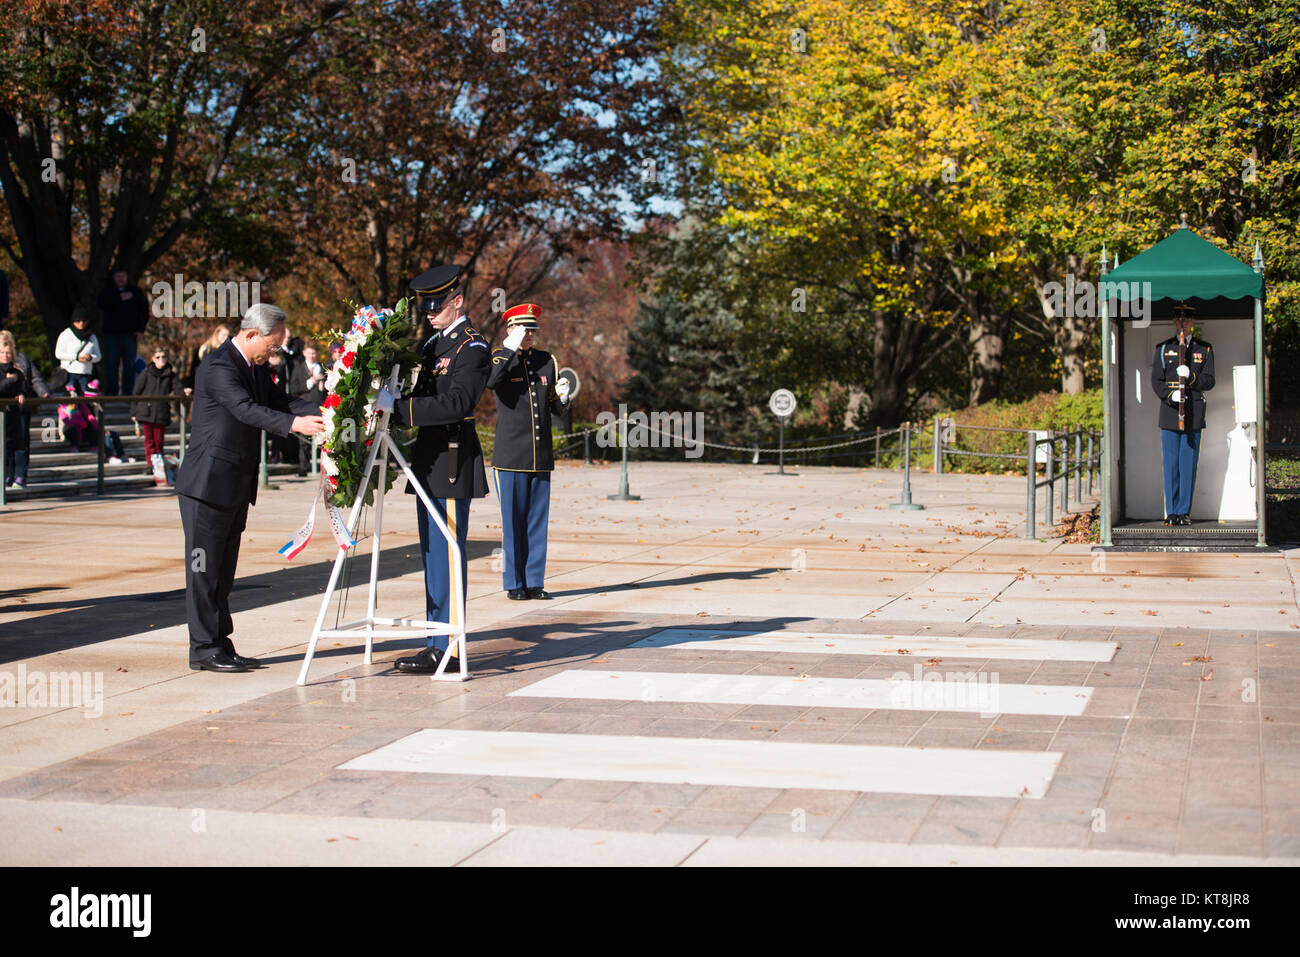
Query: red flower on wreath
[[347, 359], [331, 401]]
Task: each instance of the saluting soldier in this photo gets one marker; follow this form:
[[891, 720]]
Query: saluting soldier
[[1182, 371], [446, 457], [527, 393]]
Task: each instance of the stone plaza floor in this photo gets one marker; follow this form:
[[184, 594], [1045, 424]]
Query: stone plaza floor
[[741, 668]]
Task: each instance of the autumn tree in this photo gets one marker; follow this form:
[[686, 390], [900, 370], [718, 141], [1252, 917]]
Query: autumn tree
[[123, 126]]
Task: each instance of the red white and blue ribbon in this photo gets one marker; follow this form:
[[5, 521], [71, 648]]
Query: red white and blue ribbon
[[338, 527]]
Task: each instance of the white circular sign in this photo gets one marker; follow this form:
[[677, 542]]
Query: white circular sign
[[782, 402]]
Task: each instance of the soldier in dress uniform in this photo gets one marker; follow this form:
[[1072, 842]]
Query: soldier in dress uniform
[[1182, 370], [446, 456], [524, 380]]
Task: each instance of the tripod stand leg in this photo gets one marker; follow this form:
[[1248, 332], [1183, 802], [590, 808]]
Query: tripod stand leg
[[320, 617], [375, 545]]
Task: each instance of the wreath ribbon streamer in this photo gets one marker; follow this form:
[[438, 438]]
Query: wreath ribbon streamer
[[338, 526]]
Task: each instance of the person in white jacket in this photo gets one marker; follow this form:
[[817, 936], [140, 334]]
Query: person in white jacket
[[78, 350]]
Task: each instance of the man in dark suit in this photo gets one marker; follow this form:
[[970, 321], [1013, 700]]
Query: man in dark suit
[[233, 402], [447, 457]]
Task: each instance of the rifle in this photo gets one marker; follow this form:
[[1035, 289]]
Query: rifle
[[1182, 382]]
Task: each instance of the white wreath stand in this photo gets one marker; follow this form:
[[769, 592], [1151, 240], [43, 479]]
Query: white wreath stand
[[372, 625]]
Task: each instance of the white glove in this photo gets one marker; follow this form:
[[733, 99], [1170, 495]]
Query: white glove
[[1176, 396], [562, 390], [514, 338], [1183, 372], [384, 401]]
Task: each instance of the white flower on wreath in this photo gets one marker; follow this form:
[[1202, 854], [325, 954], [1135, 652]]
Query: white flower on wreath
[[332, 380], [328, 464]]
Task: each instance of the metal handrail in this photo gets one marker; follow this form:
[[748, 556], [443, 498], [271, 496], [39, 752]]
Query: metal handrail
[[1089, 463], [31, 402]]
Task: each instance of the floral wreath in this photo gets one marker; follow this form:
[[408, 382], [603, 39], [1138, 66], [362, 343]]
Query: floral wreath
[[377, 340]]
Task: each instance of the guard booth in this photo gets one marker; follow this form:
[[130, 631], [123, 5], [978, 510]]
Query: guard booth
[[1227, 297]]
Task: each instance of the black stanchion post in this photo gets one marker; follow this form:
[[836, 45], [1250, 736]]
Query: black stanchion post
[[624, 491], [180, 456], [1065, 476], [1090, 469], [1049, 473], [780, 446], [586, 447], [1078, 464], [4, 456], [1031, 484], [906, 502], [263, 479], [876, 464], [99, 455]]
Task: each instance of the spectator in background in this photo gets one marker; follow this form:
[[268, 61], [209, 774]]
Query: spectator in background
[[126, 313], [153, 415], [307, 381], [99, 430], [80, 427], [77, 350], [291, 351], [208, 346], [284, 448], [18, 443]]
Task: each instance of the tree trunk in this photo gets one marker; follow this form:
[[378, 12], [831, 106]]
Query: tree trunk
[[988, 340], [1070, 337]]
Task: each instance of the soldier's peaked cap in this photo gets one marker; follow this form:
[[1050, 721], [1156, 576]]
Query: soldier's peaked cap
[[525, 314], [435, 285]]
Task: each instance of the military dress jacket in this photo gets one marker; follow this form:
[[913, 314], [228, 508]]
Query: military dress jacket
[[524, 384], [1199, 358], [453, 376]]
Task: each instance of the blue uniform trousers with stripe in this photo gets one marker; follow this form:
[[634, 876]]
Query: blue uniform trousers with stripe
[[525, 512], [1180, 451], [436, 553]]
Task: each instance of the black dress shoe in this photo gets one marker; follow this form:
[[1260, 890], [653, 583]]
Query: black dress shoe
[[1171, 519], [421, 663], [518, 594], [540, 594], [1184, 519], [218, 662], [249, 662]]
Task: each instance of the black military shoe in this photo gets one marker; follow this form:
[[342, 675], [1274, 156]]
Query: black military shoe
[[1171, 519], [422, 663], [1184, 519], [518, 594], [539, 593], [220, 662]]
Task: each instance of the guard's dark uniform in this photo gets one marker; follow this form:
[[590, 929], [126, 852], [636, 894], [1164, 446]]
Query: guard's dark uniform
[[524, 383], [1180, 449], [446, 457]]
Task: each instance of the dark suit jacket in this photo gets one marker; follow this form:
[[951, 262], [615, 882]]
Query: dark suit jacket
[[233, 402]]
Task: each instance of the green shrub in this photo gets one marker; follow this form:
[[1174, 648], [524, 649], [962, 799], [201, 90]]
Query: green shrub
[[1046, 411]]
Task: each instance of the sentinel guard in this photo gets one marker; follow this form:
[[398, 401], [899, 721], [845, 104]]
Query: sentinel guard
[[524, 380]]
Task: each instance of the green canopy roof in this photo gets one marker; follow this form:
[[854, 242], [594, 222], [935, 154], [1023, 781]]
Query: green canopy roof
[[1184, 267]]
